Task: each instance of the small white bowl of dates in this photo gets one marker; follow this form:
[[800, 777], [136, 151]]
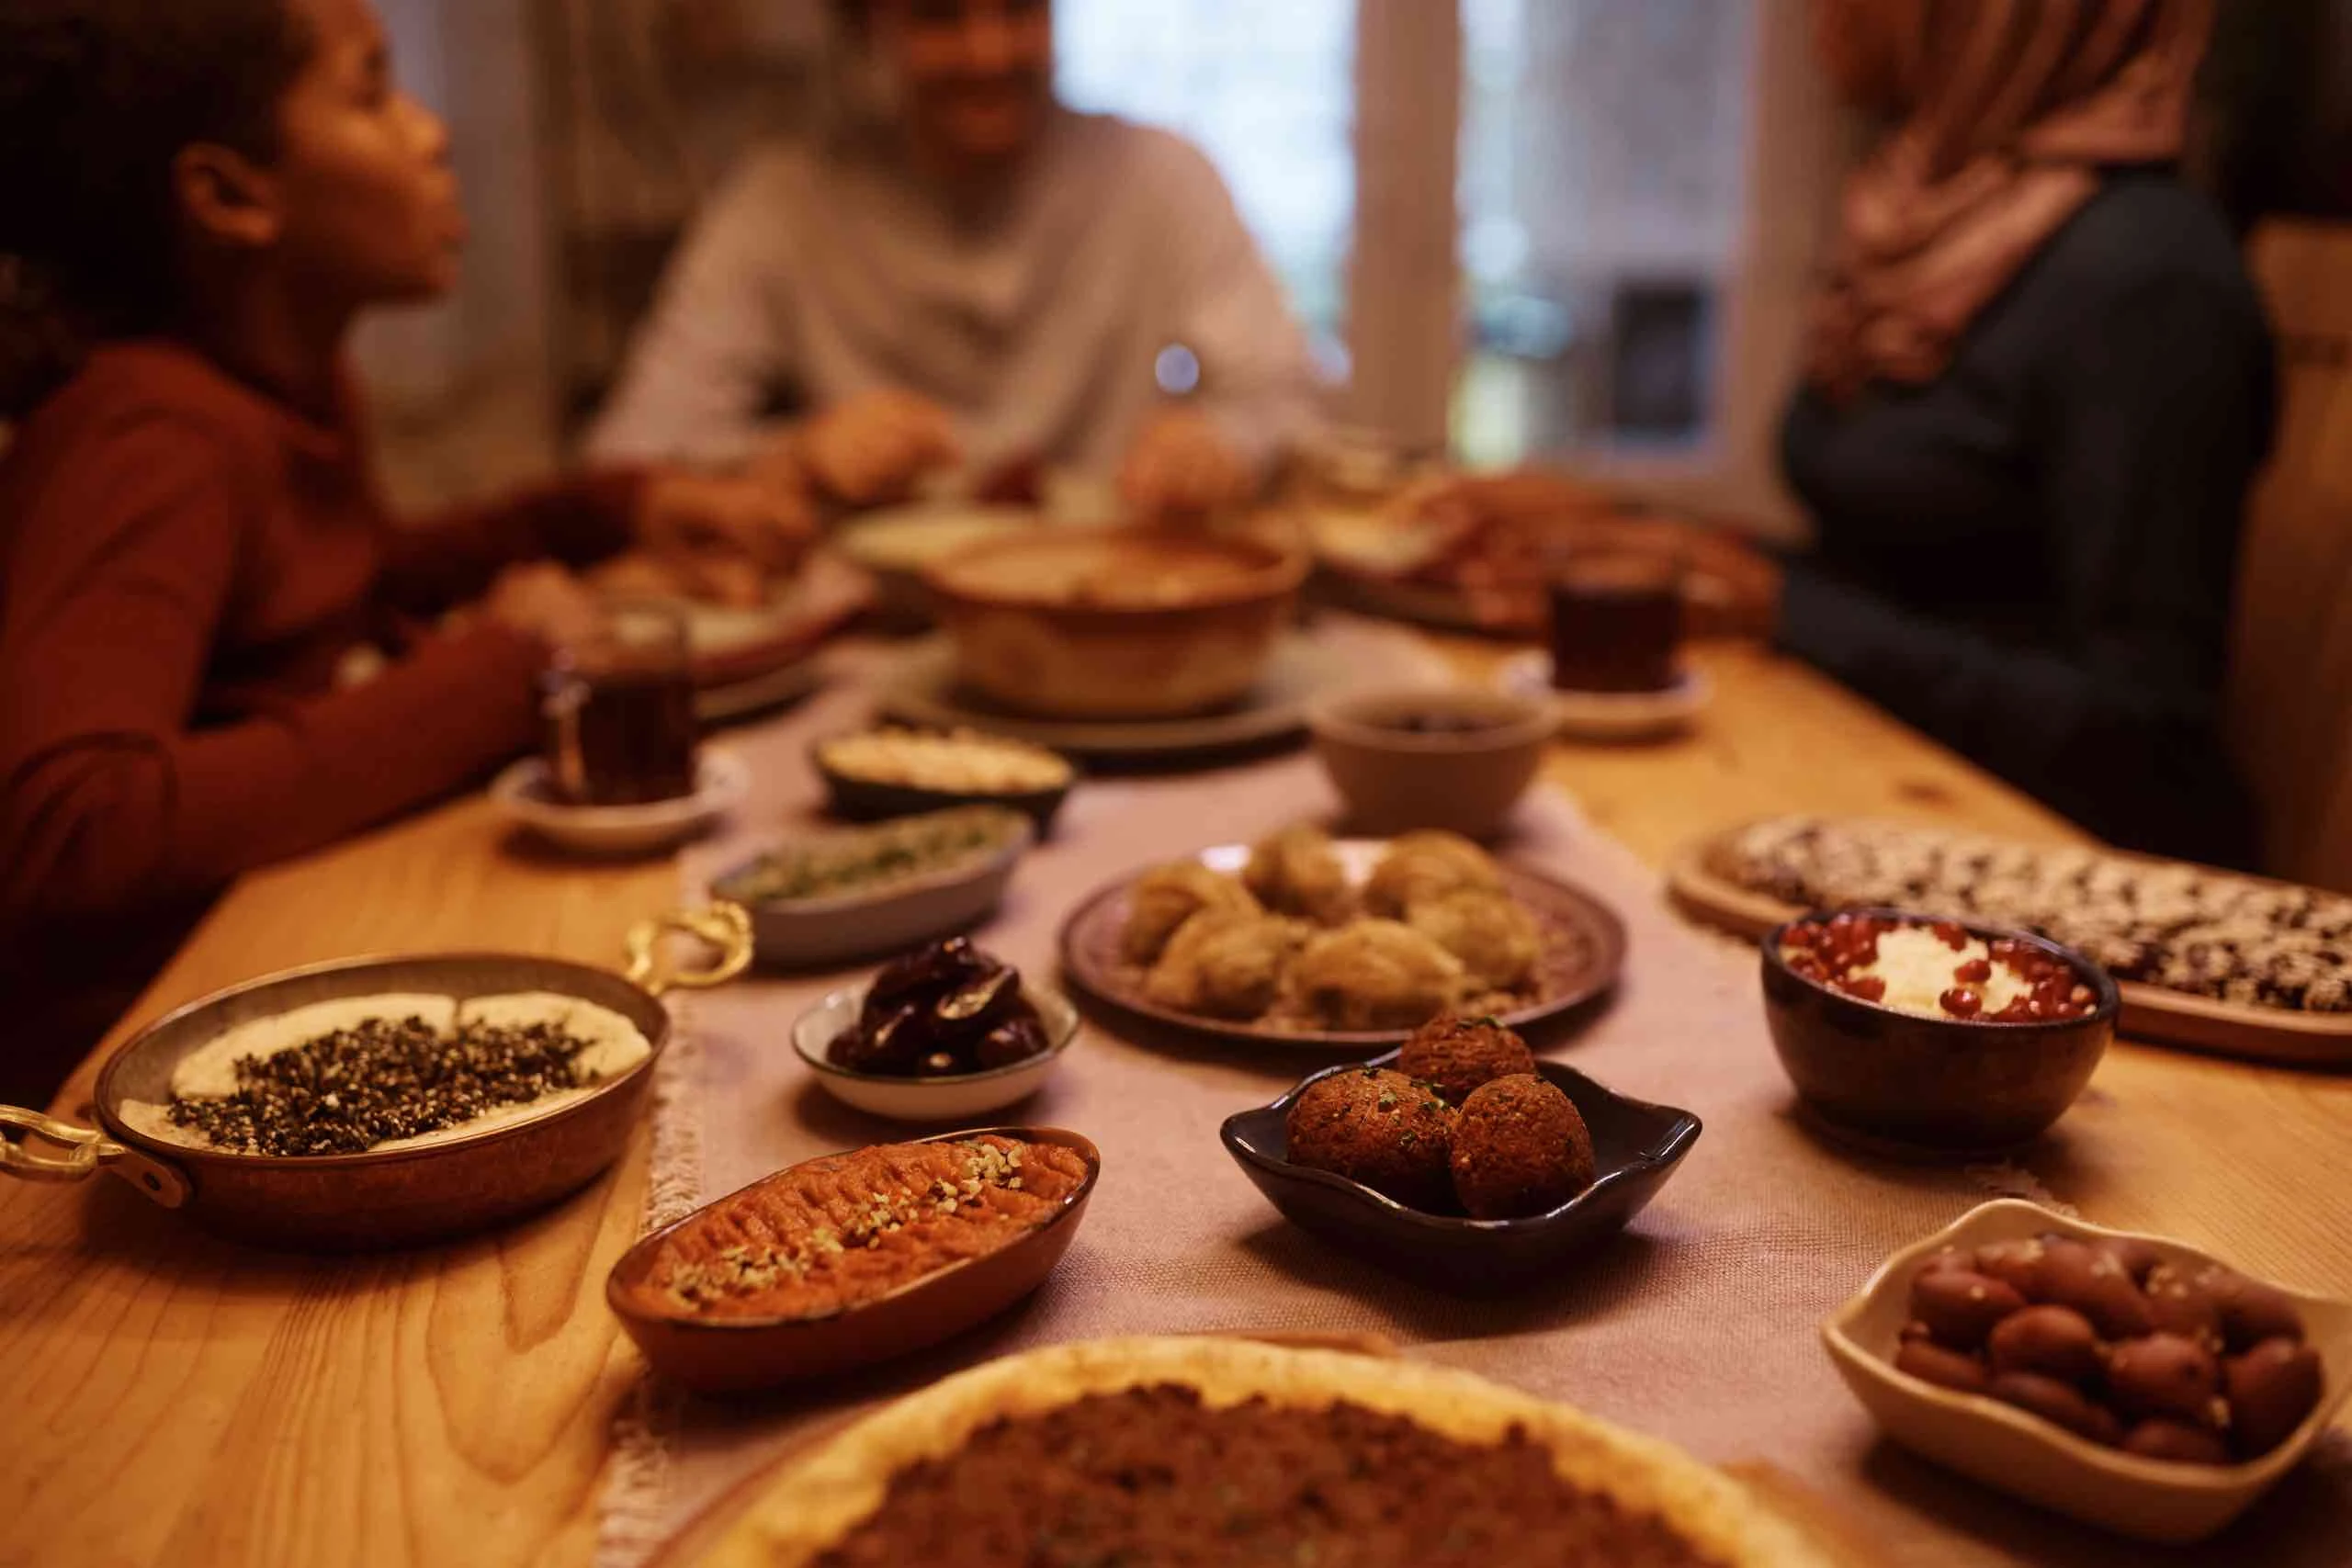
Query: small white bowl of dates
[[1929, 1034], [942, 1034], [2132, 1381]]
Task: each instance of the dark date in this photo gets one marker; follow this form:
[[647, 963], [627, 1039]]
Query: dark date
[[945, 1011]]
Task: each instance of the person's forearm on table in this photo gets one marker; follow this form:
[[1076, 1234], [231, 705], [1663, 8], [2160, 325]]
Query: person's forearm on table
[[434, 566], [106, 821], [2032, 715]]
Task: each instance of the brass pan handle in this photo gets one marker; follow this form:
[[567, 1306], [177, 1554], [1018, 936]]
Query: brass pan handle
[[726, 927], [88, 1151]]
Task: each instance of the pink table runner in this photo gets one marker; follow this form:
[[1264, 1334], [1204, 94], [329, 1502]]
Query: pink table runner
[[1699, 1325]]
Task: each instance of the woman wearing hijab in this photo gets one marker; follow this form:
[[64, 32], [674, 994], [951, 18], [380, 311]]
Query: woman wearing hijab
[[2039, 385], [965, 270]]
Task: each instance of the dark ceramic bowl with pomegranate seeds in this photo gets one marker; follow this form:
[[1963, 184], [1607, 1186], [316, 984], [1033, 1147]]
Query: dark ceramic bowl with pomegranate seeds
[[1949, 1074]]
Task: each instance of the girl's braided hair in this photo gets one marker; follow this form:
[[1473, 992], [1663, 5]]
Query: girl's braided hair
[[98, 99]]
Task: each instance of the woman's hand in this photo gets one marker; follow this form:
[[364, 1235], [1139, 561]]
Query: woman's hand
[[873, 448], [726, 539], [541, 600], [1181, 467]]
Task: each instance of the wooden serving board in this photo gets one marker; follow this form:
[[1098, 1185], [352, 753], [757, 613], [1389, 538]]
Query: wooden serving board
[[2151, 1013]]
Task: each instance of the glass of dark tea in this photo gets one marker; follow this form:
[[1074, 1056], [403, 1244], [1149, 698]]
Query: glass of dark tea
[[621, 729], [1616, 621]]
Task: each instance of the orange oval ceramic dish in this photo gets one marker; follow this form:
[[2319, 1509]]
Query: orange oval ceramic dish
[[853, 1258]]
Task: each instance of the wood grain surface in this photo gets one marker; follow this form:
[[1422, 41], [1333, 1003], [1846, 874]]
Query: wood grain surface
[[179, 1401]]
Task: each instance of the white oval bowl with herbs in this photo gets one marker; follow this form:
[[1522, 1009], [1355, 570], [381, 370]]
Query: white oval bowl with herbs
[[859, 892]]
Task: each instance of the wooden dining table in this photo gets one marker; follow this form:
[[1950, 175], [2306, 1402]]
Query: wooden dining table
[[177, 1399]]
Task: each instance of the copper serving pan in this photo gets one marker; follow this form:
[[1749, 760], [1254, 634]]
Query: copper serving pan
[[401, 1197]]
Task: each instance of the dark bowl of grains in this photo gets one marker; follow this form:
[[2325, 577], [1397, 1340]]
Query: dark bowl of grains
[[1923, 1035]]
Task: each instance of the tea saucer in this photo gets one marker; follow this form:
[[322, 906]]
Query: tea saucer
[[522, 794], [1608, 715]]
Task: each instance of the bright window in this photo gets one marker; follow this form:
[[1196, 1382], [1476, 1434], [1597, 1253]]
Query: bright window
[[1266, 88]]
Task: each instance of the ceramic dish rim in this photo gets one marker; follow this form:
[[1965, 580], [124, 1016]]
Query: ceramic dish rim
[[1683, 1131], [1079, 1143], [1527, 675], [723, 780], [2102, 984], [956, 874], [1067, 1029], [1837, 1339]]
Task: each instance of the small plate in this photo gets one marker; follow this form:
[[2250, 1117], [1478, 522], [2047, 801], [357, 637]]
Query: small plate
[[931, 1100], [2013, 1452], [1608, 715], [924, 691], [812, 933], [734, 1354], [1584, 947], [523, 795], [1635, 1147]]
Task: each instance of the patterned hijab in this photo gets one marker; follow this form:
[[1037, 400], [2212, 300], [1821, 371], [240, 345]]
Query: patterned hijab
[[2008, 109]]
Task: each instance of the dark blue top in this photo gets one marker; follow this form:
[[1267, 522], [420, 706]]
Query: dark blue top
[[2031, 557]]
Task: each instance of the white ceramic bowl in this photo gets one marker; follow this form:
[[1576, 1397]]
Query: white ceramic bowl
[[816, 931], [957, 1098], [523, 795], [2017, 1453]]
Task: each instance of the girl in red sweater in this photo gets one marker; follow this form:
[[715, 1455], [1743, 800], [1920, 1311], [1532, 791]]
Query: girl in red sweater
[[215, 649]]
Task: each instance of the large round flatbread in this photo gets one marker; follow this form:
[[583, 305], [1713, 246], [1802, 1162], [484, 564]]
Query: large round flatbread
[[825, 1497]]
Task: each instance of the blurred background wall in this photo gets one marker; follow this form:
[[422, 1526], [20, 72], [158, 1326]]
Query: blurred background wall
[[1580, 231]]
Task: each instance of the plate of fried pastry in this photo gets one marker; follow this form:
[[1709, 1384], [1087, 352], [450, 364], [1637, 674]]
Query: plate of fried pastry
[[1306, 941]]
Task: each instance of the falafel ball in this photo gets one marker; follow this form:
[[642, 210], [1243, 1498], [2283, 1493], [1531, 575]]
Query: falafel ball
[[1380, 1128], [1458, 1054], [1520, 1148]]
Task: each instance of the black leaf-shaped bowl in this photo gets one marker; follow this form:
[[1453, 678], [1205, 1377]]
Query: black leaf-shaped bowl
[[1636, 1148]]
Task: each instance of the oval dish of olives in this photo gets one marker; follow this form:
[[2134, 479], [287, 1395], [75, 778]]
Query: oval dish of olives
[[943, 1033]]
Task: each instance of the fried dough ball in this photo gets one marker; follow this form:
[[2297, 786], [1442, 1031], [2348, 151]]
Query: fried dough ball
[[1225, 964], [1296, 872], [1375, 974], [1491, 932], [1458, 1054], [1422, 866], [1380, 1128], [1520, 1148], [1164, 899]]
